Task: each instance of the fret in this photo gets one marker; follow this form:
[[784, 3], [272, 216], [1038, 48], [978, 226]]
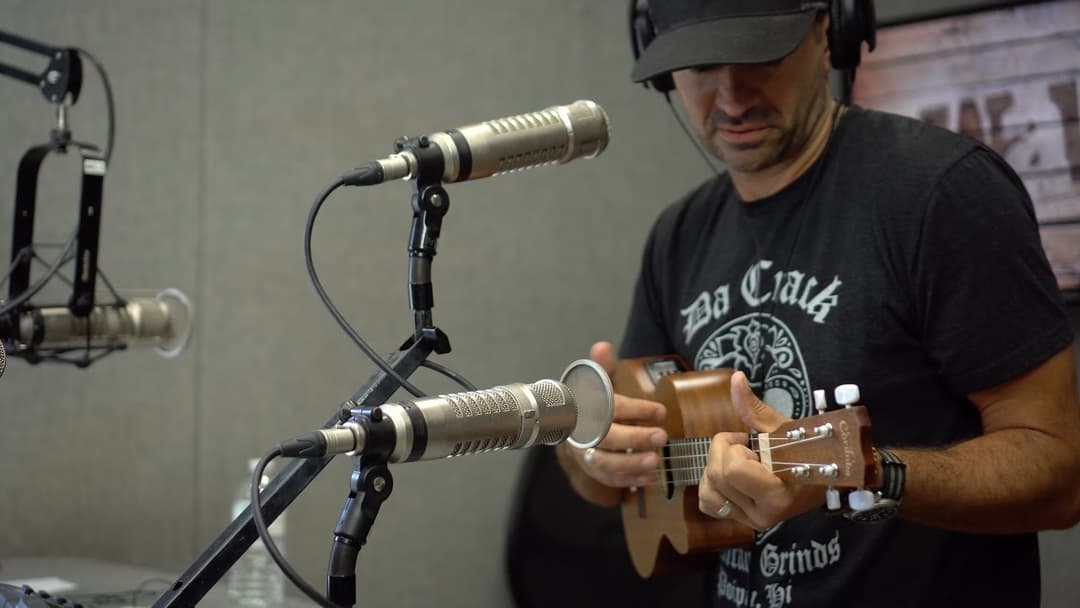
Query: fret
[[702, 446], [681, 463], [686, 460], [676, 471]]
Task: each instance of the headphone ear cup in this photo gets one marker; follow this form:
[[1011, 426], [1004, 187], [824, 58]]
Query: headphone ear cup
[[642, 33], [663, 83], [850, 23]]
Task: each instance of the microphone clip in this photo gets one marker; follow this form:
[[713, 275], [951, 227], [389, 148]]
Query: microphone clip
[[430, 203], [429, 159], [94, 167]]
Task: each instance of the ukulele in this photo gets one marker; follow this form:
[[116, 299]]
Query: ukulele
[[665, 530]]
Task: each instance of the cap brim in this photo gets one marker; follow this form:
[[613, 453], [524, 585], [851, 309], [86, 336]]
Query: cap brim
[[751, 39]]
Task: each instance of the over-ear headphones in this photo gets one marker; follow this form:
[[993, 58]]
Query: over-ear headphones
[[851, 22]]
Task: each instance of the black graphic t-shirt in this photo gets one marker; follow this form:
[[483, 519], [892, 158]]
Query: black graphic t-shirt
[[906, 261]]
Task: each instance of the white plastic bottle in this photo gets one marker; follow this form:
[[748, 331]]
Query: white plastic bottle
[[255, 581]]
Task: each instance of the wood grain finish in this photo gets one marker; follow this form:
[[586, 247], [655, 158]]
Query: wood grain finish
[[669, 534], [665, 530]]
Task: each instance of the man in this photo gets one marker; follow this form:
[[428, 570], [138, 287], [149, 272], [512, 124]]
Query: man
[[844, 245]]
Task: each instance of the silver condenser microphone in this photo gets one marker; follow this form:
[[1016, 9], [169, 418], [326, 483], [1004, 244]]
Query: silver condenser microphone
[[557, 134], [163, 322], [578, 409]]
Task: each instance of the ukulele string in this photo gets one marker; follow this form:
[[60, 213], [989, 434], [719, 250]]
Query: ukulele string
[[682, 483], [662, 474], [774, 444], [698, 465], [791, 467]]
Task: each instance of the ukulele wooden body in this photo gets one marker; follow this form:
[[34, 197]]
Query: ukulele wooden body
[[665, 531]]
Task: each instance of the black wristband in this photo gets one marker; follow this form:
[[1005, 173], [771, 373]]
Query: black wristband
[[893, 474]]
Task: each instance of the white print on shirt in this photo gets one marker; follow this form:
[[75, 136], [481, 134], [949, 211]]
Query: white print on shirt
[[776, 595], [732, 590], [799, 559], [732, 576], [789, 288], [736, 559], [764, 348]]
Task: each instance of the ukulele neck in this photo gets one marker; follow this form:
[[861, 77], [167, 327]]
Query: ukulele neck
[[802, 455], [686, 459]]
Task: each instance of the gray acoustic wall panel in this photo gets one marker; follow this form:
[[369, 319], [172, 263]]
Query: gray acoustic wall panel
[[232, 117], [101, 462]]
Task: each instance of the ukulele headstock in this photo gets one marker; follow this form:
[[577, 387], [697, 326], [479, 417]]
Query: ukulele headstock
[[834, 449]]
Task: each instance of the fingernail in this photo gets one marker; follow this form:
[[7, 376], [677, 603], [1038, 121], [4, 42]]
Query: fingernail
[[658, 439]]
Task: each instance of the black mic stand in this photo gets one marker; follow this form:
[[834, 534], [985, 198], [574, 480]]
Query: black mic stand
[[370, 483], [61, 80]]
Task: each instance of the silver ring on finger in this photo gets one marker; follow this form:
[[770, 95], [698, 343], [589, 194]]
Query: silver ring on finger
[[590, 454], [725, 509]]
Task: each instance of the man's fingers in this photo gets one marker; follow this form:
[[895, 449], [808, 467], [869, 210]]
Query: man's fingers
[[622, 437], [630, 409], [604, 354], [722, 441], [621, 469], [754, 412]]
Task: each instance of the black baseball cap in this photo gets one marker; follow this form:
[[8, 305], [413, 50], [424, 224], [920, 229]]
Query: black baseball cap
[[692, 33]]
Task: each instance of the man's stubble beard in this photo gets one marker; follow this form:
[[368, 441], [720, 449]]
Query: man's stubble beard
[[779, 145]]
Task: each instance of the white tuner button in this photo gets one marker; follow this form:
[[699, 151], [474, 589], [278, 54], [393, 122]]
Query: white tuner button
[[847, 394], [832, 499], [860, 500]]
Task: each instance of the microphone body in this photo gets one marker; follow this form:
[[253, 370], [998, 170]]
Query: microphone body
[[578, 409], [555, 135], [505, 417], [162, 322]]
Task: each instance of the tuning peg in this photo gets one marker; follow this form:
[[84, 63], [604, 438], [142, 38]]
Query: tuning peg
[[832, 499], [860, 500], [847, 394], [819, 401]]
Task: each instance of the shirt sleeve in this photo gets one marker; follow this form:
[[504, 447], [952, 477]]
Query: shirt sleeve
[[988, 302], [645, 333]]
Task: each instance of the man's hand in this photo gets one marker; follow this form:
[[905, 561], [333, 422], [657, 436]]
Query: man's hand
[[626, 457], [735, 483]]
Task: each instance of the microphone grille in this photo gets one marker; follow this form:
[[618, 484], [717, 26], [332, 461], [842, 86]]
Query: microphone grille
[[551, 393], [3, 359], [521, 122], [484, 403], [553, 436], [557, 410]]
